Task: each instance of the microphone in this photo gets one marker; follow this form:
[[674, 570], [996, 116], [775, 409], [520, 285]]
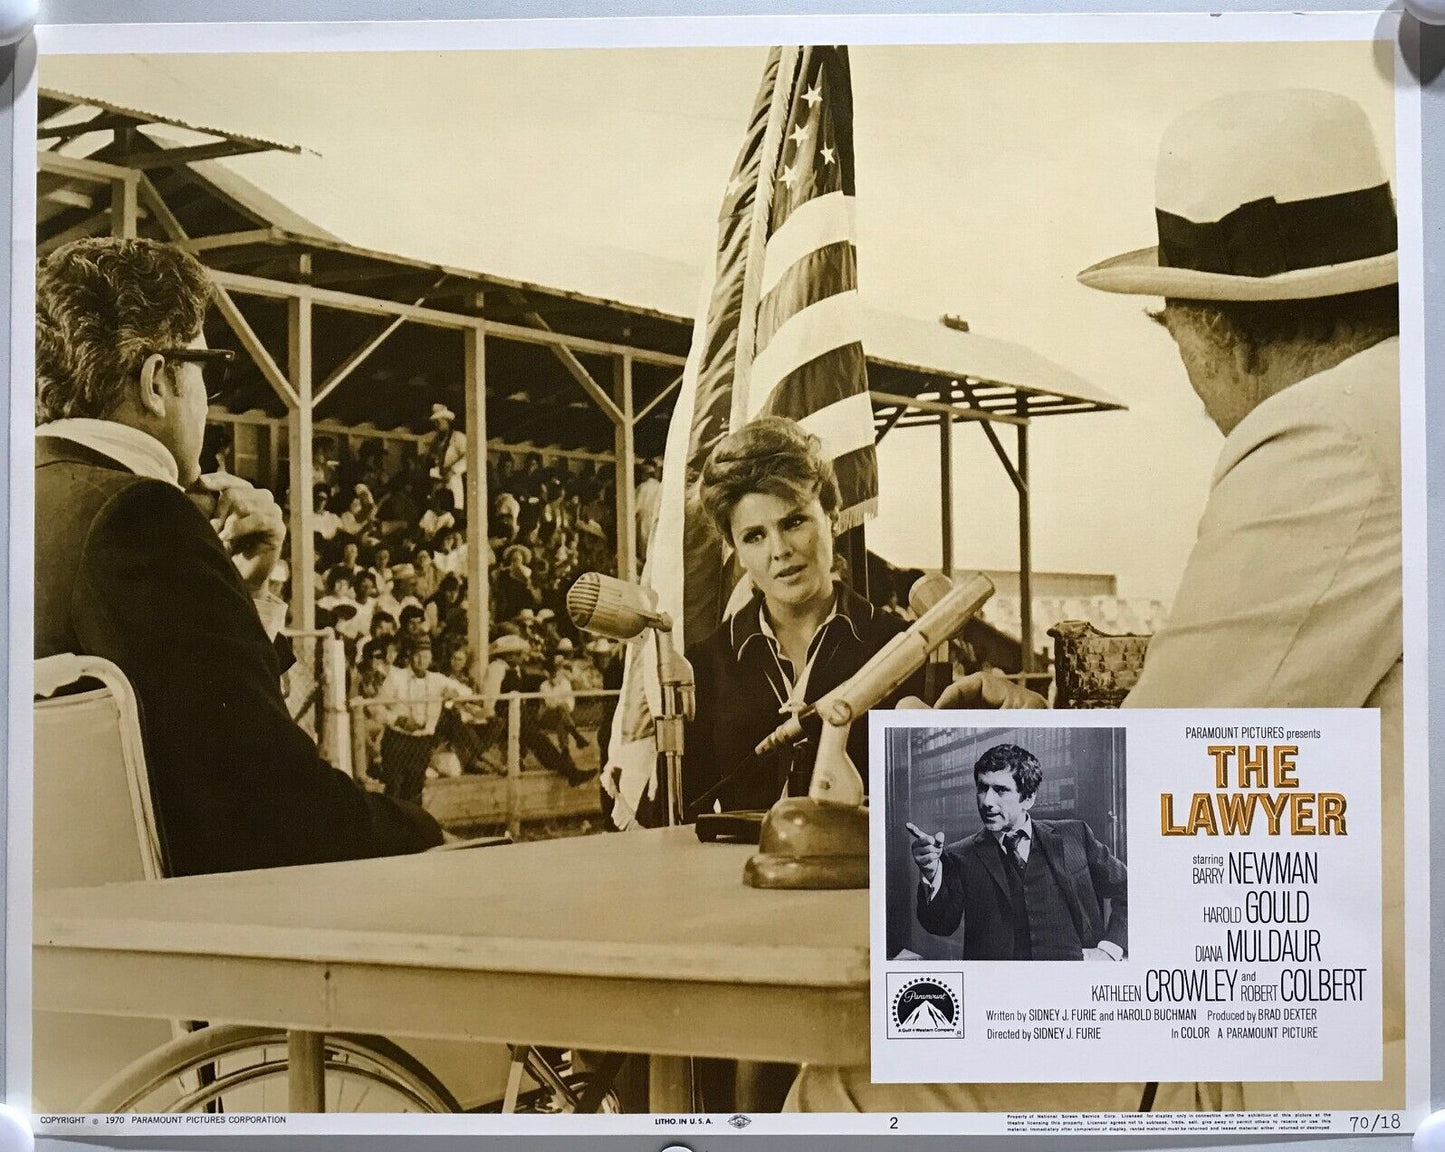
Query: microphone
[[613, 608], [893, 663], [926, 592]]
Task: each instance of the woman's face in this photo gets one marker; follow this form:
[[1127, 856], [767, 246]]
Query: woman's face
[[786, 545]]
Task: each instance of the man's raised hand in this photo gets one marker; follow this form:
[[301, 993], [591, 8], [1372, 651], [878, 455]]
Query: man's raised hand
[[927, 853]]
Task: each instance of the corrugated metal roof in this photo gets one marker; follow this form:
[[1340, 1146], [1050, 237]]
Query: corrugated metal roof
[[142, 116]]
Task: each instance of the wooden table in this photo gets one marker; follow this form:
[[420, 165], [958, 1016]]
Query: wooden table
[[640, 942]]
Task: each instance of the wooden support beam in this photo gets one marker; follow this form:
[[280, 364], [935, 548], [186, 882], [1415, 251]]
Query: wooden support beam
[[1020, 483], [890, 423], [355, 360], [656, 400], [952, 410], [1026, 549], [945, 484], [174, 157], [81, 168], [578, 371], [479, 605], [157, 206], [351, 302], [68, 197], [103, 122], [124, 207], [92, 225], [299, 433], [236, 239], [626, 471], [229, 309]]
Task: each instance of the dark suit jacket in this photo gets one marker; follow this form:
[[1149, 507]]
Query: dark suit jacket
[[975, 890], [129, 569]]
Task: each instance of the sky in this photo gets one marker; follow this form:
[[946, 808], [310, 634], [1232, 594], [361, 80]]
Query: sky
[[987, 177]]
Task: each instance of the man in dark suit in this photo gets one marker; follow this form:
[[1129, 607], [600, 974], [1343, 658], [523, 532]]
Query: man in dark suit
[[1024, 889], [129, 567]]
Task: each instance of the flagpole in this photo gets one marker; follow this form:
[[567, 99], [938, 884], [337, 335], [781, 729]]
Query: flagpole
[[769, 155]]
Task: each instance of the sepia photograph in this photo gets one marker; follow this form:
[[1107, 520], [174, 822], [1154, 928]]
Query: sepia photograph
[[481, 495]]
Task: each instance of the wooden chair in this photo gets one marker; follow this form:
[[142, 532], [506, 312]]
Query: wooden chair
[[95, 823]]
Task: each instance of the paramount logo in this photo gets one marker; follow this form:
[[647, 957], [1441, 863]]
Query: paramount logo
[[925, 1018], [925, 1006]]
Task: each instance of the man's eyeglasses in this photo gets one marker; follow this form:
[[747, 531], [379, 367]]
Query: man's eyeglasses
[[215, 364]]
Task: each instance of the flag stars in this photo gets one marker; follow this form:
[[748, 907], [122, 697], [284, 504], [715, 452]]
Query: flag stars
[[735, 185], [830, 155], [789, 175], [799, 134], [813, 95]]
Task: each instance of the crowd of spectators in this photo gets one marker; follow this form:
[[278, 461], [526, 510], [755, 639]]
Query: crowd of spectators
[[391, 579]]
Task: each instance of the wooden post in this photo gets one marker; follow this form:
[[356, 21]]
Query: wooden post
[[945, 476], [1026, 576], [626, 454], [669, 1085], [124, 206], [306, 1071], [299, 432], [479, 599], [514, 767]]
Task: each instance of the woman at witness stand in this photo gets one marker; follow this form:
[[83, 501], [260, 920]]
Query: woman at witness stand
[[771, 493]]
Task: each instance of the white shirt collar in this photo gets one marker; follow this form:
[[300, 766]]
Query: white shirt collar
[[138, 451], [1027, 828]]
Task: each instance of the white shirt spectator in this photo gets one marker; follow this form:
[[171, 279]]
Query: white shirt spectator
[[421, 697]]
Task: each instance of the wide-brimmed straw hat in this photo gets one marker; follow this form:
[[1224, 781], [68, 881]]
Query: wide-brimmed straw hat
[[509, 646], [1264, 196], [441, 412]]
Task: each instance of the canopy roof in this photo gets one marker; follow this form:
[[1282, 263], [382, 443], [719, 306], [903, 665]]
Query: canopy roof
[[532, 394]]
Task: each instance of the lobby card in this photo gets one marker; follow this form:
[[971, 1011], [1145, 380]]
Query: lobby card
[[1172, 895]]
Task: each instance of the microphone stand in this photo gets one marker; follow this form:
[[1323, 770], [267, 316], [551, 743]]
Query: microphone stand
[[679, 698]]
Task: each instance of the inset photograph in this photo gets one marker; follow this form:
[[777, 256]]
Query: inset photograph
[[1006, 844]]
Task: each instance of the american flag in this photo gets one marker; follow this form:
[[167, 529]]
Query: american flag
[[778, 335]]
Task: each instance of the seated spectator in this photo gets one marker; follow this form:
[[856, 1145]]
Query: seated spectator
[[445, 604], [381, 568], [349, 563], [428, 577], [451, 555], [413, 627], [401, 593], [515, 590], [325, 523], [438, 516], [356, 520]]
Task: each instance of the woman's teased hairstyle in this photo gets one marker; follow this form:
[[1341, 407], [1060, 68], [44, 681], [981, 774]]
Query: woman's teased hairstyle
[[101, 306], [771, 454]]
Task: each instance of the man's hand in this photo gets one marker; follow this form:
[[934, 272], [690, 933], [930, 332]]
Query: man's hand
[[927, 853], [250, 524], [988, 690], [1097, 954]]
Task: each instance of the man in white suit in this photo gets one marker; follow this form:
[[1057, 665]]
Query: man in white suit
[[1277, 264]]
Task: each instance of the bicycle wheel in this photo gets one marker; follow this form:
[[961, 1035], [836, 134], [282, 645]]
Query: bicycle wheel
[[237, 1068]]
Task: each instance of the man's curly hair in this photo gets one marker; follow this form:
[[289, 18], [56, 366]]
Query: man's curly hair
[[101, 306], [1020, 762]]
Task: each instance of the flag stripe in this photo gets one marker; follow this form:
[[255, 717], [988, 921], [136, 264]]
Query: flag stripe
[[820, 274], [824, 220], [844, 426], [828, 324]]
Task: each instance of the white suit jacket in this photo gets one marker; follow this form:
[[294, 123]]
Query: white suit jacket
[[1292, 594]]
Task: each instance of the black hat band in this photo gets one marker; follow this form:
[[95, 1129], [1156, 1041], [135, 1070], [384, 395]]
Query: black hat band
[[1266, 238]]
